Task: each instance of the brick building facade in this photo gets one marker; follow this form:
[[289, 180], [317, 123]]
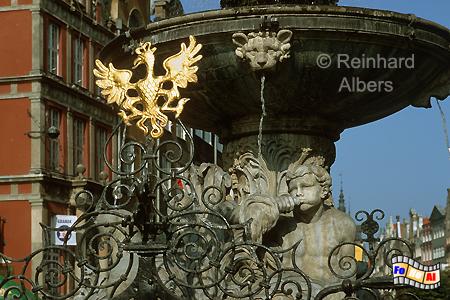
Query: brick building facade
[[47, 53]]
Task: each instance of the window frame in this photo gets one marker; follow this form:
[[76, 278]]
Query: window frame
[[79, 60], [101, 139], [54, 48], [79, 154], [54, 118], [96, 90]]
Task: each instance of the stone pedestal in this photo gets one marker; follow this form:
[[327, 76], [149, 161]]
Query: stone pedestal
[[283, 139]]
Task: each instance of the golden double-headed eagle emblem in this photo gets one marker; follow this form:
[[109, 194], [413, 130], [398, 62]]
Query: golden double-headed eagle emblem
[[180, 70]]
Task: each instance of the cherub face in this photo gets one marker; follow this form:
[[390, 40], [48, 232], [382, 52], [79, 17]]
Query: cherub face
[[309, 192]]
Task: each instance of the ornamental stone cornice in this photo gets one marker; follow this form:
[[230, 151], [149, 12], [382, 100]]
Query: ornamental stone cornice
[[55, 89], [78, 100], [22, 78], [21, 197], [52, 187], [21, 178], [37, 200], [19, 7]]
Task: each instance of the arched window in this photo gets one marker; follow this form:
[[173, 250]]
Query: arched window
[[135, 19]]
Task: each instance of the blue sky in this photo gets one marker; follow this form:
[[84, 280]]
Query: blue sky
[[399, 162]]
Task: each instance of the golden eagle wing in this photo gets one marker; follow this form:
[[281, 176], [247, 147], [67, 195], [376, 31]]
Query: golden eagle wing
[[180, 67], [113, 82]]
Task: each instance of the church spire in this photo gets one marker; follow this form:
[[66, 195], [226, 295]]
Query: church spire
[[341, 206]]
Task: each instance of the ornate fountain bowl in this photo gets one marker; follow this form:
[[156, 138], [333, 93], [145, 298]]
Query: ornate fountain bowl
[[301, 96]]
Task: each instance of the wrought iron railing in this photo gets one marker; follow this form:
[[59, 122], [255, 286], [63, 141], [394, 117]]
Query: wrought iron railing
[[151, 223]]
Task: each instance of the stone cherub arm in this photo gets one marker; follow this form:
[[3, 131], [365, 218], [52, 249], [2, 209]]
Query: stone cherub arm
[[262, 212], [259, 194]]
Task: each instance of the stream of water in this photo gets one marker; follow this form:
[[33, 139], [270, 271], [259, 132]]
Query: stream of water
[[261, 119]]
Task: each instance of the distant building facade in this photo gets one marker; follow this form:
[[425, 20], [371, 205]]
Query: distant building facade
[[415, 233], [437, 222], [429, 236], [426, 246]]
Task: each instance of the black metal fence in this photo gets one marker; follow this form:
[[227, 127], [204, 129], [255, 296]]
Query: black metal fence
[[151, 234]]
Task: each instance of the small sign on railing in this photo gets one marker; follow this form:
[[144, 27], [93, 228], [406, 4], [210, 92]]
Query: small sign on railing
[[64, 222]]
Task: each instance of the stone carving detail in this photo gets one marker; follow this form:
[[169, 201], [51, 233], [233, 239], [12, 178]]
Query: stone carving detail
[[279, 150], [262, 195], [263, 49], [289, 210]]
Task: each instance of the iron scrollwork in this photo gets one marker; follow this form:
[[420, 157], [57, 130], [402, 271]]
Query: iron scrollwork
[[156, 208]]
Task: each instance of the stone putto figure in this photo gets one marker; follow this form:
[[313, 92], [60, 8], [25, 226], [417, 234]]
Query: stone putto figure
[[304, 214], [291, 211]]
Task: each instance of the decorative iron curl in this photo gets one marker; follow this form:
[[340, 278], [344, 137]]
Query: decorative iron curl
[[193, 246], [264, 282], [84, 200], [242, 271], [103, 244], [284, 285], [55, 274], [182, 233], [177, 197], [99, 248], [130, 158], [399, 247], [346, 263], [174, 154], [123, 155], [120, 191], [212, 196], [370, 227]]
